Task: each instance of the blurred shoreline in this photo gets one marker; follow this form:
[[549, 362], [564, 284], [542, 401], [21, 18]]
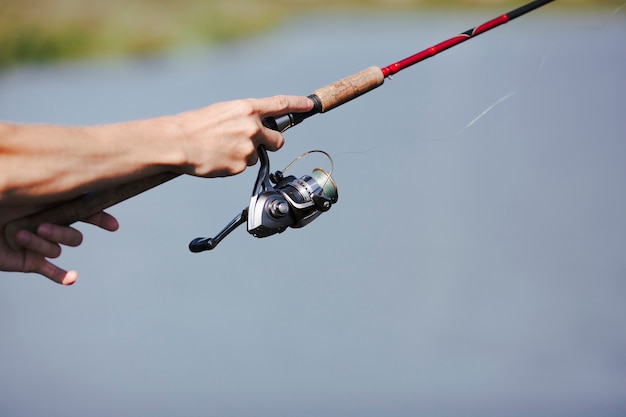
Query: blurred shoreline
[[39, 31]]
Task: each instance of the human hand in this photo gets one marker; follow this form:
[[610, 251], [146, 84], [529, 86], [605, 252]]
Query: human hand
[[222, 139], [45, 243]]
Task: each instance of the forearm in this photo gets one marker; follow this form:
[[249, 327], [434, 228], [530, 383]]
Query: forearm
[[41, 163]]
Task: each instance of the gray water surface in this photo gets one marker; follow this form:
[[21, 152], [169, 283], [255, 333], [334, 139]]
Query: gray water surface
[[474, 265]]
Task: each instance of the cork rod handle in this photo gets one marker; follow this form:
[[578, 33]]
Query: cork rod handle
[[348, 88]]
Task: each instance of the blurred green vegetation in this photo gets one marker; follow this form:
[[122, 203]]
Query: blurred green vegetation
[[47, 30]]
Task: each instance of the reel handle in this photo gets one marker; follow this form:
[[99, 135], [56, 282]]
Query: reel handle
[[201, 244], [84, 206]]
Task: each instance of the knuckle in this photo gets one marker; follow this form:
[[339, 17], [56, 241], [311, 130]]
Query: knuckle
[[255, 130], [76, 239], [249, 128], [54, 251], [246, 148], [247, 106], [282, 103], [237, 167], [276, 143]]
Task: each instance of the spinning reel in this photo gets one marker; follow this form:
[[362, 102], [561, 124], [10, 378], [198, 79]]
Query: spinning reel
[[279, 202]]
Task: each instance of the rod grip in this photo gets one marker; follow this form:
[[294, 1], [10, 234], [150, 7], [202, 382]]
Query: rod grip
[[84, 206], [348, 88]]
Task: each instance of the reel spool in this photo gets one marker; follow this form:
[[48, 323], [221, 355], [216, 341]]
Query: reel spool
[[279, 202]]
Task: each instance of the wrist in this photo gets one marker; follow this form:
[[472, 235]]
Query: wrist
[[167, 139], [155, 144]]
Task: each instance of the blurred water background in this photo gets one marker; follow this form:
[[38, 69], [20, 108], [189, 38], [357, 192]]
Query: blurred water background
[[474, 265]]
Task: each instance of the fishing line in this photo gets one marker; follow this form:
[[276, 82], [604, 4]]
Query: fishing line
[[609, 17], [488, 109], [547, 54], [529, 83], [496, 104], [362, 152], [511, 93]]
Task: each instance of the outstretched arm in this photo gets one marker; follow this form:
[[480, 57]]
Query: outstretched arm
[[44, 163]]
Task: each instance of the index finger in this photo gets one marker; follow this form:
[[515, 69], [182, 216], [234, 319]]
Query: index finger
[[280, 105]]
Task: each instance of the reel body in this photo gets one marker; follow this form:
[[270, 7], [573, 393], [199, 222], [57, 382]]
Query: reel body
[[279, 202]]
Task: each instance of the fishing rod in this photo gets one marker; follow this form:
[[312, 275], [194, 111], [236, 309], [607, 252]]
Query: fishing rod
[[284, 203], [355, 85]]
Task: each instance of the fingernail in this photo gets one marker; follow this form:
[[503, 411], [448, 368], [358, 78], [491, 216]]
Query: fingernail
[[70, 278], [44, 229], [23, 238]]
